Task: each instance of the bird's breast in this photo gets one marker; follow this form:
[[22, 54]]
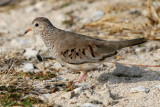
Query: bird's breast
[[51, 47]]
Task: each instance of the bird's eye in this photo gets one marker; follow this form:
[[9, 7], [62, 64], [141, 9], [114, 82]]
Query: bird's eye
[[36, 24]]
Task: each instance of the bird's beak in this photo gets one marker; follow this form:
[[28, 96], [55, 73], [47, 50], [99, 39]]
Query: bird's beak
[[28, 30]]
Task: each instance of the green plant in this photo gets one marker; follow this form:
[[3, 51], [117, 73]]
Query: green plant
[[6, 102]]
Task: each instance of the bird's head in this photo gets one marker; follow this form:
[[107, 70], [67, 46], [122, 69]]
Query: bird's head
[[38, 25]]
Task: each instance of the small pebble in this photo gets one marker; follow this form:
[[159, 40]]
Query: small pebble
[[30, 52], [59, 79], [57, 65], [84, 85], [28, 67], [76, 92], [139, 89], [156, 86], [141, 49], [132, 71], [98, 15], [90, 105]]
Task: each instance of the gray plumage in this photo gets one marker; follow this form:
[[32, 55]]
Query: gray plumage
[[74, 50]]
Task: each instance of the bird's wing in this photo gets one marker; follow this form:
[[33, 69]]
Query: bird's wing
[[78, 49]]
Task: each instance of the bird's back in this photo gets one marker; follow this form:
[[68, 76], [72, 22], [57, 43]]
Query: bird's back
[[77, 49]]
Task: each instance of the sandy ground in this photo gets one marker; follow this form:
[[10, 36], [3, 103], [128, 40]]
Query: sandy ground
[[112, 84]]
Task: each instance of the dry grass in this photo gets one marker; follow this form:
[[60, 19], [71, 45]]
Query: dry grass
[[15, 89], [128, 19], [13, 85]]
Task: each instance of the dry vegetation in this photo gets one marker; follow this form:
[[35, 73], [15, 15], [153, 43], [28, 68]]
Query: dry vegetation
[[127, 20], [15, 89]]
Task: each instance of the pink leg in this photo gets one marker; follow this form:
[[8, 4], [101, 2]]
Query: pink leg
[[83, 76]]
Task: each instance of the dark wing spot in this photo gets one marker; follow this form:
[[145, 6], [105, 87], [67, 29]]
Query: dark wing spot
[[91, 48], [70, 55], [64, 54], [77, 53], [92, 52], [66, 51], [72, 50], [83, 52]]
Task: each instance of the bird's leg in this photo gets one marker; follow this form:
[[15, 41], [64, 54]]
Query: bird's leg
[[83, 76]]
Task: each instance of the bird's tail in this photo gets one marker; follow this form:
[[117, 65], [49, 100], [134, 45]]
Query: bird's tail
[[132, 42]]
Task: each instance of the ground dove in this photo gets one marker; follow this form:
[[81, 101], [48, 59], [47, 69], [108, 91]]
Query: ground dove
[[76, 51]]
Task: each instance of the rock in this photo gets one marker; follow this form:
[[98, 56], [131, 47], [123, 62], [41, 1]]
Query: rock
[[47, 98], [27, 78], [139, 89], [67, 95], [98, 15], [57, 65], [108, 97], [59, 79], [152, 45], [30, 52], [28, 67], [132, 71], [107, 91], [141, 49], [48, 64], [83, 85], [76, 92], [157, 86], [90, 105]]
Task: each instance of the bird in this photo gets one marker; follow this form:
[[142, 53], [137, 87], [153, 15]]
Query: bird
[[76, 51]]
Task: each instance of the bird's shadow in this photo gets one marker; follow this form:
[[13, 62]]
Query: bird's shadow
[[129, 74]]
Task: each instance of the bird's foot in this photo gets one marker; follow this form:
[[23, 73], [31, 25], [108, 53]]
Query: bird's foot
[[81, 78]]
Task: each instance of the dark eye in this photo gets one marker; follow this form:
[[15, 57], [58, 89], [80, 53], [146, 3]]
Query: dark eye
[[36, 24]]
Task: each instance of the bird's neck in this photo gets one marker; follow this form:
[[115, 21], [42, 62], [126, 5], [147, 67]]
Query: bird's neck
[[50, 37]]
